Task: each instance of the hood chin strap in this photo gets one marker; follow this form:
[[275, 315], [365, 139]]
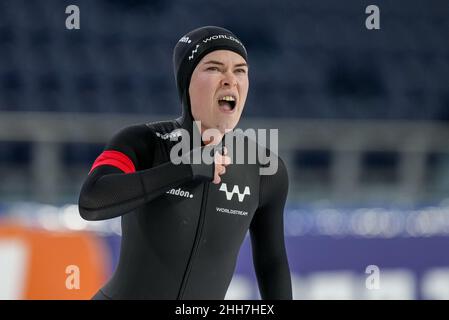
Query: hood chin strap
[[186, 121]]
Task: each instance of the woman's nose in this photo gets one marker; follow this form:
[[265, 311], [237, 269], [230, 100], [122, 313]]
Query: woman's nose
[[229, 80]]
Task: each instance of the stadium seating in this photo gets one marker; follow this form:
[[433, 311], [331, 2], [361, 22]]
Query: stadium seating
[[307, 59]]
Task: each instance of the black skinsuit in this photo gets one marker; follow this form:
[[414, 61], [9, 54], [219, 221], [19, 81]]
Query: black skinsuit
[[184, 244]]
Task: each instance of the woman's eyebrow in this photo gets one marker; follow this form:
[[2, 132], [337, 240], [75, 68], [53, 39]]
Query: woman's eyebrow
[[222, 64], [214, 62], [241, 65]]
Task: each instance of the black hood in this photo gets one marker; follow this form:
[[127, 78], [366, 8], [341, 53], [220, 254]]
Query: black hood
[[189, 51]]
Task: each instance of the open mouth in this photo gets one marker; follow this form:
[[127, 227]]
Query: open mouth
[[227, 103]]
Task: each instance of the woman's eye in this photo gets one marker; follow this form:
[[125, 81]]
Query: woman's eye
[[243, 71], [212, 68]]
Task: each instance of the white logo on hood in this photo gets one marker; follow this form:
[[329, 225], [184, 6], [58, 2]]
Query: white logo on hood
[[194, 51], [185, 39]]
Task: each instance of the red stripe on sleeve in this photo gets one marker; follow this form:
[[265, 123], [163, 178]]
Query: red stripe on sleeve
[[115, 159]]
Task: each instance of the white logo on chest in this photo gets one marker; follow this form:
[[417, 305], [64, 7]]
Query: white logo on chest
[[180, 192], [235, 190]]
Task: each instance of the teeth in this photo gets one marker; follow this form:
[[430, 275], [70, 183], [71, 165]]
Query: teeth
[[228, 98]]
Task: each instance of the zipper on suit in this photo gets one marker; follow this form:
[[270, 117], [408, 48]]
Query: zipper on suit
[[199, 231]]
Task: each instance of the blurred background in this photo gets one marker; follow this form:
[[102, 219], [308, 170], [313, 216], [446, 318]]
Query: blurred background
[[364, 130]]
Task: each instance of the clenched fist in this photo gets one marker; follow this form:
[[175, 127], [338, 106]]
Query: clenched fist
[[221, 162]]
